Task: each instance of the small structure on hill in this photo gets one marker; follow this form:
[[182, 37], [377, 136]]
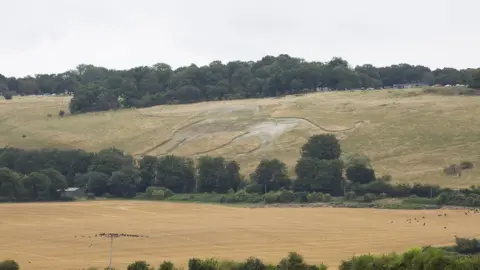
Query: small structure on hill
[[73, 192]]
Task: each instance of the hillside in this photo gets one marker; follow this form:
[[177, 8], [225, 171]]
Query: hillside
[[406, 133]]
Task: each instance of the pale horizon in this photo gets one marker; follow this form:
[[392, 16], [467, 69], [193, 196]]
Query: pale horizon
[[55, 36]]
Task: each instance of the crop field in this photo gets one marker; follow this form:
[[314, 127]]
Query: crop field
[[406, 133], [62, 235]]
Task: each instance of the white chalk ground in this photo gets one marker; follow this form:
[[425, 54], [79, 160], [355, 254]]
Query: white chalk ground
[[226, 118]]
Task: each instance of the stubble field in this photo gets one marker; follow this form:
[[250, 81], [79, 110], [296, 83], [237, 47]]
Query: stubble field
[[49, 235], [406, 133]]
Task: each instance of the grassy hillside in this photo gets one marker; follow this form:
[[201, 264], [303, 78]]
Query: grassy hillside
[[406, 133]]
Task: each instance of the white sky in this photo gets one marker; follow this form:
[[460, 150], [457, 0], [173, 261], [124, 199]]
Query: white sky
[[52, 36]]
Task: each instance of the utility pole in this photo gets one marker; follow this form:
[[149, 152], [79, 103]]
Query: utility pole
[[111, 248], [116, 235]]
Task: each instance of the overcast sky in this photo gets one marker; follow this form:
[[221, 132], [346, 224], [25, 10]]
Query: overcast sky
[[52, 36]]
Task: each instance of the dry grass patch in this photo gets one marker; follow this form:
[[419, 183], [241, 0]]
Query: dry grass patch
[[407, 133], [44, 233]]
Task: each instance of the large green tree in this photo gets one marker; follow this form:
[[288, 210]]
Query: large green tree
[[323, 146], [10, 184], [175, 173], [99, 89], [37, 186], [272, 174]]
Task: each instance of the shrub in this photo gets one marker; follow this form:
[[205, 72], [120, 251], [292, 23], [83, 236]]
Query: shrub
[[382, 195], [229, 265], [61, 113], [360, 174], [139, 265], [241, 196], [350, 195], [255, 188], [158, 195], [465, 165], [327, 198], [314, 197], [90, 196], [208, 264], [369, 197], [467, 246], [271, 197], [166, 265], [253, 263], [286, 196], [9, 265], [7, 96], [301, 197]]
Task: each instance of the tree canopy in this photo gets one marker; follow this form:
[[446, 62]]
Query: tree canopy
[[97, 88]]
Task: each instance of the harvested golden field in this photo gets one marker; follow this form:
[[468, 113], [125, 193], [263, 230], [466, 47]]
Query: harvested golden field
[[42, 235], [406, 133]]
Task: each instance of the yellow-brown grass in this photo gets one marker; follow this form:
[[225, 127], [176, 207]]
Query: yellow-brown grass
[[407, 134], [42, 235]]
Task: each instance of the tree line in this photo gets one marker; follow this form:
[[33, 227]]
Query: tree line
[[99, 89], [462, 256], [322, 172]]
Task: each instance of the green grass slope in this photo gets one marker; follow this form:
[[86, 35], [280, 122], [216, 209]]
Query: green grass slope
[[407, 133]]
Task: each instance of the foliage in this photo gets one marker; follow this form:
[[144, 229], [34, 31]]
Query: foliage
[[175, 173], [355, 159], [166, 265], [121, 184], [198, 264], [42, 174], [272, 174], [8, 96], [360, 174], [319, 175], [427, 258], [323, 146], [139, 265], [9, 265], [215, 174], [369, 197], [464, 255], [467, 246], [99, 89], [97, 183], [475, 82]]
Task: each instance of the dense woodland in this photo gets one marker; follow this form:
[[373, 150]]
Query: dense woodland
[[464, 255], [322, 172], [99, 89]]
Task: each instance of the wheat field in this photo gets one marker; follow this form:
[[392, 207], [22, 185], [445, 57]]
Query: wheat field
[[49, 235], [406, 133]]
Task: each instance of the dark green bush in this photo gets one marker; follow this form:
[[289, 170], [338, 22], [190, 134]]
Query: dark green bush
[[286, 196], [467, 246], [139, 265], [255, 188], [271, 197], [208, 264], [369, 197], [9, 265], [315, 197], [166, 265], [8, 96]]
